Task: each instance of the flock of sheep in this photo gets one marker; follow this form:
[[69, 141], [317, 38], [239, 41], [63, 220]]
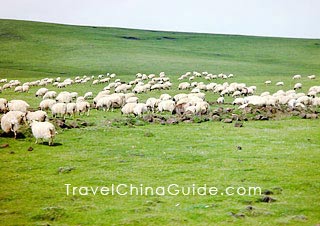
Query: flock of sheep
[[124, 95]]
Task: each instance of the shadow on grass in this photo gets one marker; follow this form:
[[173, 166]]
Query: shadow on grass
[[47, 144], [11, 135]]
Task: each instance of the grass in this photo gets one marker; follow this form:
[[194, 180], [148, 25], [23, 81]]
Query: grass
[[278, 155]]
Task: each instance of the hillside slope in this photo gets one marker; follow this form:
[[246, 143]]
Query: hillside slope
[[34, 48]]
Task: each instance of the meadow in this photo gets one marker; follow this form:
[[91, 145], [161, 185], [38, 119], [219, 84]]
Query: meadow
[[280, 155]]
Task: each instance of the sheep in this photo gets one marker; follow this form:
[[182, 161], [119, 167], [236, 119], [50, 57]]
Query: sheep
[[311, 77], [220, 100], [132, 100], [74, 95], [165, 96], [280, 84], [139, 109], [184, 85], [166, 105], [71, 109], [82, 107], [11, 121], [46, 104], [238, 101], [3, 105], [39, 116], [202, 107], [296, 77], [297, 86], [88, 95], [127, 109], [268, 82], [104, 103], [49, 95], [18, 105], [59, 109], [43, 130], [41, 92], [152, 103], [64, 97]]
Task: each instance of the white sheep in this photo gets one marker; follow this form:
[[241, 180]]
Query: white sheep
[[59, 109], [268, 82], [220, 100], [82, 107], [46, 104], [280, 84], [11, 121], [3, 105], [49, 95], [166, 105], [152, 103], [127, 109], [43, 130], [41, 92], [132, 100], [296, 77], [165, 96], [88, 95], [238, 101], [39, 116], [139, 109], [71, 109], [311, 76], [18, 105], [64, 97], [297, 86]]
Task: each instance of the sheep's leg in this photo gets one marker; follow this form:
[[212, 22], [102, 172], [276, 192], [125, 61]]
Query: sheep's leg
[[36, 140]]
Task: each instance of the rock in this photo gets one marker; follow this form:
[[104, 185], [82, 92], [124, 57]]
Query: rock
[[172, 121], [61, 123], [239, 148], [4, 145], [238, 124], [148, 118], [216, 118], [311, 116], [73, 124], [227, 120], [267, 192], [30, 149], [267, 199]]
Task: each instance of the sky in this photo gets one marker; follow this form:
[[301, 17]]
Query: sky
[[277, 18]]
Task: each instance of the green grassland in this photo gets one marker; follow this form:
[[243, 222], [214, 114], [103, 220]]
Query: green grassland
[[281, 156]]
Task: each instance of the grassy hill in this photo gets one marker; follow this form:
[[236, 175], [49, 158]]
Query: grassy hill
[[32, 48], [280, 156]]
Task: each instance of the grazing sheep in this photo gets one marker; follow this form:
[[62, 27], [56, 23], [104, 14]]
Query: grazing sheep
[[220, 100], [82, 107], [64, 97], [43, 130], [280, 84], [166, 105], [165, 96], [46, 104], [71, 109], [49, 95], [88, 95], [297, 86], [238, 101], [39, 116], [127, 109], [267, 82], [18, 105], [152, 103], [59, 109], [296, 77], [3, 105], [311, 76], [184, 85], [11, 121], [132, 100], [139, 109], [41, 92]]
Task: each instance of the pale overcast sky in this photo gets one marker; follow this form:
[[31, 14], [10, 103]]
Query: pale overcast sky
[[281, 18]]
